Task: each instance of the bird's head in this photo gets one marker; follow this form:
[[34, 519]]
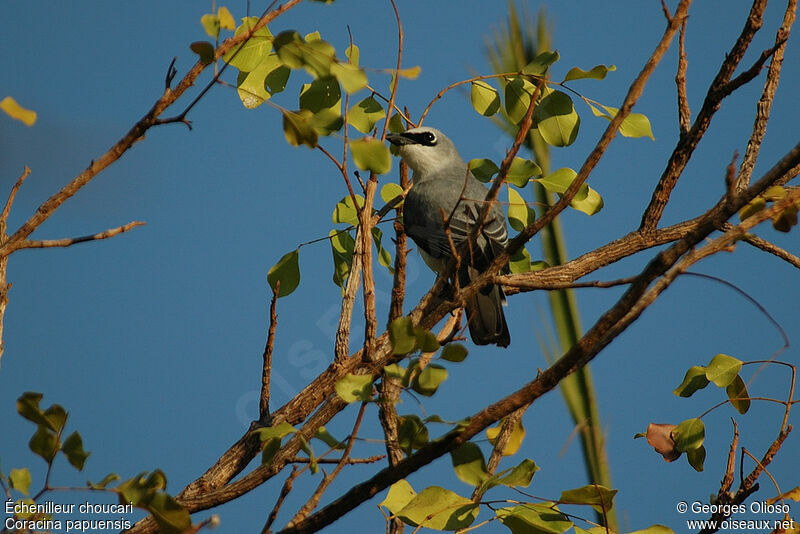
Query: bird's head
[[426, 150]]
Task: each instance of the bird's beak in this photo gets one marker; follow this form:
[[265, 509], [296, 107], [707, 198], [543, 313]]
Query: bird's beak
[[399, 139]]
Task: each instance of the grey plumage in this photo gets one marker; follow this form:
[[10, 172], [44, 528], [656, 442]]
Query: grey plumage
[[440, 176]]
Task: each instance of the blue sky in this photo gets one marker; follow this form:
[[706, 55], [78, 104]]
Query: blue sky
[[153, 340]]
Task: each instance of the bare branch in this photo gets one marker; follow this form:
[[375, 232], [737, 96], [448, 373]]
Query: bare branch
[[68, 242], [718, 90], [684, 113], [327, 479], [767, 96], [266, 372], [285, 489]]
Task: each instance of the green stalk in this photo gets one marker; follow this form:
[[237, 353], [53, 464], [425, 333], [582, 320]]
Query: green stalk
[[509, 50]]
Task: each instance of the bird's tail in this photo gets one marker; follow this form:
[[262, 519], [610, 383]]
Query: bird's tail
[[485, 317]]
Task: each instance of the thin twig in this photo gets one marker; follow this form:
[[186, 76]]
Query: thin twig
[[285, 489], [266, 373], [327, 479], [68, 242], [727, 480]]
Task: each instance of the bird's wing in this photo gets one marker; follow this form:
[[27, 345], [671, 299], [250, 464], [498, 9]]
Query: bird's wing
[[424, 223]]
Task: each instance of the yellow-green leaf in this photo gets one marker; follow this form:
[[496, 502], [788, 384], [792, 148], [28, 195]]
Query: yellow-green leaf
[[369, 154], [484, 98], [15, 111]]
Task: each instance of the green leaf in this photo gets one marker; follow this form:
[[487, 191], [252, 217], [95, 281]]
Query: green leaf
[[384, 257], [277, 78], [170, 516], [353, 388], [597, 72], [20, 480], [396, 124], [519, 214], [73, 450], [787, 218], [353, 54], [327, 121], [12, 108], [318, 57], [469, 464], [252, 86], [586, 200], [394, 371], [364, 115], [210, 24], [402, 336], [298, 129], [484, 98], [251, 52], [634, 125], [752, 207], [390, 191], [342, 246], [689, 435], [556, 119], [271, 438], [324, 436], [346, 212], [696, 457], [519, 476], [108, 479], [521, 170], [439, 508], [226, 20], [454, 352], [205, 50], [426, 340], [599, 497], [521, 261], [287, 272], [540, 64], [483, 169], [289, 46], [399, 495], [28, 407], [352, 77], [428, 381], [44, 443], [723, 369], [369, 154], [518, 93], [694, 380], [411, 433], [738, 395], [533, 519], [322, 93], [56, 415]]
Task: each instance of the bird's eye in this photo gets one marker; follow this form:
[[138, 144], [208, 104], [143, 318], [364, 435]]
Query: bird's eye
[[428, 138]]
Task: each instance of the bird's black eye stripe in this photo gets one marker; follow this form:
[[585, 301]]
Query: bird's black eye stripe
[[422, 138]]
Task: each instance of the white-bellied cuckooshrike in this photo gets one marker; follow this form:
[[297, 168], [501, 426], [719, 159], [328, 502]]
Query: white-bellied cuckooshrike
[[445, 188]]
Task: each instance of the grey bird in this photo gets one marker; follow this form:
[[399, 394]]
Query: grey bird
[[440, 176]]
